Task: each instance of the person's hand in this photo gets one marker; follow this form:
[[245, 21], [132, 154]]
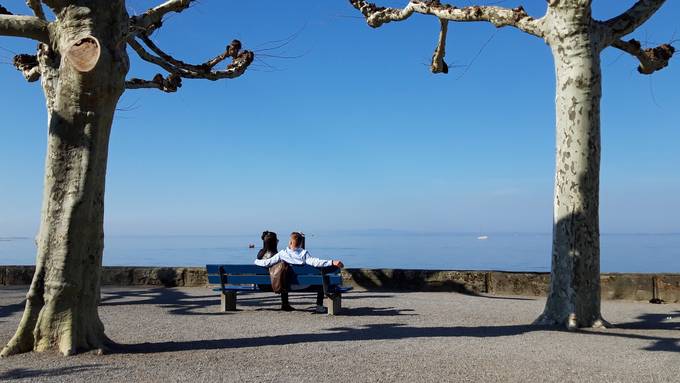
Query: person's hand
[[338, 264]]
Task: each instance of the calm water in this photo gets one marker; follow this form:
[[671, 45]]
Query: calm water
[[511, 252]]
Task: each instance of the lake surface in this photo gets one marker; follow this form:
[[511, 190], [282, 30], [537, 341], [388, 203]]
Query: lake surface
[[510, 252]]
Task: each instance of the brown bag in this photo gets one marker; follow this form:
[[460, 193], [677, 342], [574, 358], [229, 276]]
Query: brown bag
[[279, 276]]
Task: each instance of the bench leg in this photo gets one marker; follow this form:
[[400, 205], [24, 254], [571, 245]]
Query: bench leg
[[228, 301], [333, 304]]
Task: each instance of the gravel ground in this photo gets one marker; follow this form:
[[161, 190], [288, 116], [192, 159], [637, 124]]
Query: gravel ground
[[179, 335]]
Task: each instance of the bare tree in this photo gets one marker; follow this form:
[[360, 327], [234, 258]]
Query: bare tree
[[82, 63], [576, 40]]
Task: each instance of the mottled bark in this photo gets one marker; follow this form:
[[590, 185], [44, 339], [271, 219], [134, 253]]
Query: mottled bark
[[576, 43], [61, 308], [23, 26], [635, 16]]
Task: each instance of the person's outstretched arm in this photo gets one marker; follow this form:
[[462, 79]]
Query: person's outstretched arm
[[318, 262], [268, 262]]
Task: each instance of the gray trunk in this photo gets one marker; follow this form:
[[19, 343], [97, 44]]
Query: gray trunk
[[61, 308], [574, 298]]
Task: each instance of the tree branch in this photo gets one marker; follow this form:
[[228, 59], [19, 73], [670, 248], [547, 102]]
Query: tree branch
[[29, 27], [148, 57], [36, 7], [438, 64], [230, 51], [168, 85], [651, 59], [498, 16], [241, 59], [28, 66], [152, 19], [635, 16]]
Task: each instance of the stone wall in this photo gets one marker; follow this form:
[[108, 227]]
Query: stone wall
[[614, 286]]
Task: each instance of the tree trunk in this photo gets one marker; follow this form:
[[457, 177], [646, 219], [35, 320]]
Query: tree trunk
[[61, 307], [574, 297]]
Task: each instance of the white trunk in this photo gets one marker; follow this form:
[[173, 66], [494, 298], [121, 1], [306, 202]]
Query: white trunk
[[574, 298], [61, 308]]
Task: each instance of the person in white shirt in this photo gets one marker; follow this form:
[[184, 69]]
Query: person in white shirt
[[294, 254]]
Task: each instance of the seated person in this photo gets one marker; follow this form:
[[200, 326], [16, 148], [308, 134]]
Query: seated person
[[269, 248], [294, 254], [269, 245]]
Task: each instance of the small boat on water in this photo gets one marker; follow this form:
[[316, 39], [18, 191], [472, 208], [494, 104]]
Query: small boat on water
[[483, 237], [251, 246]]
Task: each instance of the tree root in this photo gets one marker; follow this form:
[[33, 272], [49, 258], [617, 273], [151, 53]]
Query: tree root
[[43, 335], [23, 339], [16, 346]]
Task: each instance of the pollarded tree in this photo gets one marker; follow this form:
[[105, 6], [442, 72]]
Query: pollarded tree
[[82, 63], [576, 40]]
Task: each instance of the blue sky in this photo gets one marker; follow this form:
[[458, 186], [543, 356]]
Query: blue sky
[[349, 130]]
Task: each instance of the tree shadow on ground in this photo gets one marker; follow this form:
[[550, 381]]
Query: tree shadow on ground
[[488, 296], [653, 322], [350, 311], [387, 331], [176, 300], [181, 303], [23, 373], [650, 321], [8, 310], [376, 312], [307, 302]]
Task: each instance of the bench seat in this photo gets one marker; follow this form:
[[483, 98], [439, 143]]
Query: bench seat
[[333, 289]]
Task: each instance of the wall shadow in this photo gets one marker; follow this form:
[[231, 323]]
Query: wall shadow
[[414, 281]]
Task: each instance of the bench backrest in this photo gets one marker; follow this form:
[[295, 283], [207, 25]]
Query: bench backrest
[[244, 274]]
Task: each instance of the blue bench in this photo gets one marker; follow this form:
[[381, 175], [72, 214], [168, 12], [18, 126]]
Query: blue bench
[[235, 278]]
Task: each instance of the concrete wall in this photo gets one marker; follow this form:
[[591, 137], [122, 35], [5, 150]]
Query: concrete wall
[[614, 286]]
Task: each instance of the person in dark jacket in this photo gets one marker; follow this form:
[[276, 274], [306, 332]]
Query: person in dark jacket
[[269, 245], [269, 248]]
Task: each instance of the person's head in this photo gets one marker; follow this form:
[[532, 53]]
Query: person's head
[[269, 241], [296, 240]]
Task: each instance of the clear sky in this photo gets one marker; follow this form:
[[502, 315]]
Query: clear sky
[[348, 130]]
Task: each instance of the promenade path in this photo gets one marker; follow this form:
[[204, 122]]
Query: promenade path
[[169, 335]]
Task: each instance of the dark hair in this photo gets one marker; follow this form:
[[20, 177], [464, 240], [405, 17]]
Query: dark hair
[[269, 240], [268, 234], [269, 244]]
